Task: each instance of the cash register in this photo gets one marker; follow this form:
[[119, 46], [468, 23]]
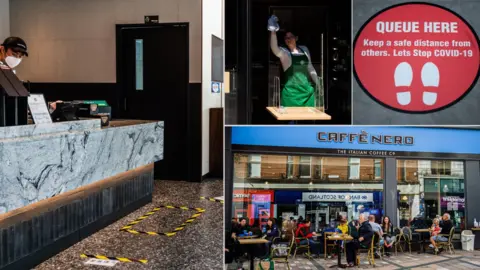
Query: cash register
[[74, 110]]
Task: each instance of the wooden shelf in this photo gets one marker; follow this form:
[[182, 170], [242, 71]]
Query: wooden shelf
[[298, 113]]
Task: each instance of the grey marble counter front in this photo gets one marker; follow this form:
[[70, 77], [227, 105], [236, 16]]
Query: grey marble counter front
[[42, 161]]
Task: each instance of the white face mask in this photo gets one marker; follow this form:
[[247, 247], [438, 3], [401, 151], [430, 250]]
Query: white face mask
[[13, 61]]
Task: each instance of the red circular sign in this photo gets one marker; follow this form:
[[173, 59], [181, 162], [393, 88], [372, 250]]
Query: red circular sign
[[416, 57]]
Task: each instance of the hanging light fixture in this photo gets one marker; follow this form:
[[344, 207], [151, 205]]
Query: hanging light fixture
[[404, 197]]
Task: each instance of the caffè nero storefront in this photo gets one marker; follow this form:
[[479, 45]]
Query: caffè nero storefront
[[411, 174]]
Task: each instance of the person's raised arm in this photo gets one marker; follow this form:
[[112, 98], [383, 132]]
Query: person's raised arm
[[274, 46]]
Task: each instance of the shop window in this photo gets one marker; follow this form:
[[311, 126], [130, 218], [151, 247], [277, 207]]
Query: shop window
[[319, 200], [378, 168], [353, 168], [439, 189], [289, 167], [254, 166], [305, 167], [441, 167], [317, 168], [139, 64]]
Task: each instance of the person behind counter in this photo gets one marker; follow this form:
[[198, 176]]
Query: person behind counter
[[300, 75], [12, 51]]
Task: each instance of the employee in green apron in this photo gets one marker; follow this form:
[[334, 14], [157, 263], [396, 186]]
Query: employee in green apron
[[300, 76]]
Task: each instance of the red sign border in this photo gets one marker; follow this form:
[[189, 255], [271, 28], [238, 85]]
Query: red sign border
[[474, 83]]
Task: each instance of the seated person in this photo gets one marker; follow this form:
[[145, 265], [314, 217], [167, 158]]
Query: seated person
[[388, 235], [446, 225], [434, 231], [365, 234], [271, 230], [378, 230], [303, 231], [342, 224], [243, 229], [231, 248]]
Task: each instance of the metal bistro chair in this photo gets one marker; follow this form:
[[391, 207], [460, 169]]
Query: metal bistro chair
[[408, 238], [370, 251], [282, 258], [300, 247], [447, 245], [399, 240]]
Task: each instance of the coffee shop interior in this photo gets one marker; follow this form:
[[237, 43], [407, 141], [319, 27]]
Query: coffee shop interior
[[256, 75], [112, 114]]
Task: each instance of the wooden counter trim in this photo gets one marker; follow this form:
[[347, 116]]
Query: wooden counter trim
[[35, 209]]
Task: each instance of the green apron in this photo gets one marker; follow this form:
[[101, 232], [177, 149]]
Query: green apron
[[297, 90]]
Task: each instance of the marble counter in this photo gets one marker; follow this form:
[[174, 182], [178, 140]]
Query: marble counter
[[42, 161]]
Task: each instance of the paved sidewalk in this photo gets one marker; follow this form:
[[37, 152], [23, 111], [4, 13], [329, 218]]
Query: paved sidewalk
[[461, 260]]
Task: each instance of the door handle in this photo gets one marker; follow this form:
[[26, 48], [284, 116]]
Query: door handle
[[125, 103]]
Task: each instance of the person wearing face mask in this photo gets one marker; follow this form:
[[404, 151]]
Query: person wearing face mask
[[12, 51], [300, 76]]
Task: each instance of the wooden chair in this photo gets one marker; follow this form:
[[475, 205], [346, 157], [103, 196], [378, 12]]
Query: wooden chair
[[283, 259], [300, 247], [446, 245], [327, 245], [370, 251]]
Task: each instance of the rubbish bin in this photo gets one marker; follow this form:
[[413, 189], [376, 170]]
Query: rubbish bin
[[468, 238]]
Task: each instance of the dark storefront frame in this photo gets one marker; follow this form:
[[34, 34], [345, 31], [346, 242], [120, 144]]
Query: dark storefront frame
[[390, 206]]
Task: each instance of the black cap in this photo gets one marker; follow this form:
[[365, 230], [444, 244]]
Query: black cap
[[16, 44]]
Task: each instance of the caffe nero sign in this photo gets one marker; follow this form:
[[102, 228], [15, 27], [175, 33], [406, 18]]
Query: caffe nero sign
[[365, 138]]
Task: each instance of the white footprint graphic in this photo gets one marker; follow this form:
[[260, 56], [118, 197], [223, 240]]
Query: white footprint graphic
[[431, 78], [403, 77]]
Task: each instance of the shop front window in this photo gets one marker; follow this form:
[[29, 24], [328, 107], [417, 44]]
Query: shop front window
[[354, 168], [315, 187], [305, 167], [255, 166], [428, 189], [378, 169]]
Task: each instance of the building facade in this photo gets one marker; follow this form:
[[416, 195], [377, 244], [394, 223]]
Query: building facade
[[410, 174]]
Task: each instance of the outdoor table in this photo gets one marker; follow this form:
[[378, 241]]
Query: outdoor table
[[476, 232], [422, 240], [247, 237], [338, 238], [250, 243]]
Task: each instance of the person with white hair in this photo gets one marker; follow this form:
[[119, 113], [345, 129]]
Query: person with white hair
[[365, 234], [446, 225]]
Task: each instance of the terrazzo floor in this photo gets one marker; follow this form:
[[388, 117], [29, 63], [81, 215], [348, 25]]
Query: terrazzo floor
[[198, 246], [462, 260]]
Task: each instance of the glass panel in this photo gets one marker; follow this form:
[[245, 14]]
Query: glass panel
[[354, 168], [139, 64], [317, 188], [429, 189], [378, 169], [305, 166], [255, 166]]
